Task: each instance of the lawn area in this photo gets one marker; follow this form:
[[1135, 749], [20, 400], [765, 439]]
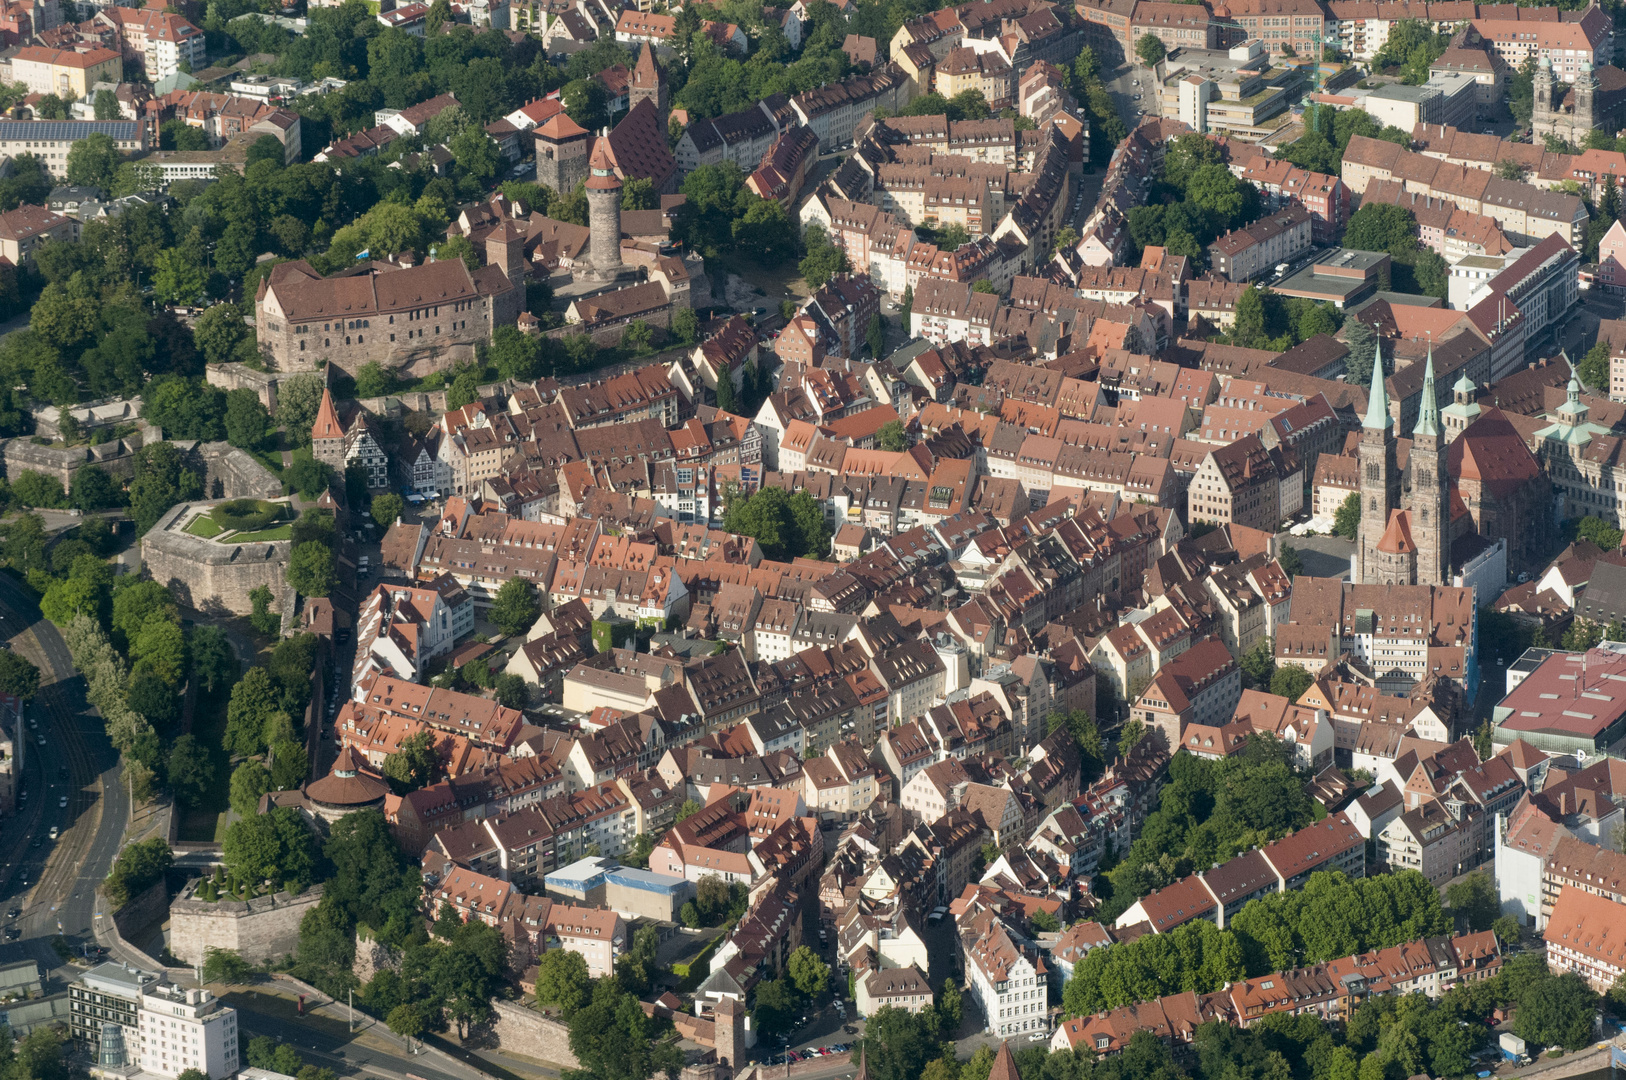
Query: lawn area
[[203, 525], [281, 532], [207, 821]]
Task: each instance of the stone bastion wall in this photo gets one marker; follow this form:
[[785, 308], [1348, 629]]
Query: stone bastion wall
[[264, 928], [207, 576]]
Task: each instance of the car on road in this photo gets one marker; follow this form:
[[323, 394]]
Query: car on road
[[13, 913], [12, 933], [39, 739], [53, 832], [63, 801], [36, 842]]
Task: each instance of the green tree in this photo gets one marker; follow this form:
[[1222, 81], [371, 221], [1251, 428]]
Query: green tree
[[387, 508], [405, 1020], [309, 477], [1150, 49], [775, 1006], [1474, 902], [247, 422], [823, 259], [511, 691], [1249, 329], [638, 193], [516, 607], [1290, 682], [1380, 226], [191, 773], [875, 336], [275, 846], [18, 676], [414, 763], [93, 160], [221, 334], [266, 621], [1432, 274], [36, 489], [562, 980], [1259, 663], [892, 436], [249, 781], [298, 398], [1346, 521], [138, 867], [611, 1037], [289, 765], [310, 569], [178, 279], [1593, 370], [807, 972], [106, 105], [686, 326], [254, 701], [225, 966], [160, 647], [1556, 1011]]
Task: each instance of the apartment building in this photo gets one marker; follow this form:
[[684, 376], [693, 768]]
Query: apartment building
[[1249, 252], [68, 73], [24, 229], [1200, 686], [158, 42], [182, 1029]]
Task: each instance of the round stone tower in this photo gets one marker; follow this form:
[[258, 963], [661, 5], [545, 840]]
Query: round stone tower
[[604, 210]]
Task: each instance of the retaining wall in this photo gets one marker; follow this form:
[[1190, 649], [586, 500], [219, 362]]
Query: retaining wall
[[527, 1032], [143, 910]]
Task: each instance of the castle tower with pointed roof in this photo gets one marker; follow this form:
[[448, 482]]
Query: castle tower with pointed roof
[[327, 434], [648, 81], [1430, 512], [604, 210], [1380, 478], [562, 146]]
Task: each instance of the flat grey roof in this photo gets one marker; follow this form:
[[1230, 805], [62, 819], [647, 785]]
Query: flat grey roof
[[1397, 92]]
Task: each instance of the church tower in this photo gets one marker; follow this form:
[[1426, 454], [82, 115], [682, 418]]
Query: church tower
[[1544, 89], [1430, 517], [1380, 479], [1462, 411], [1586, 86]]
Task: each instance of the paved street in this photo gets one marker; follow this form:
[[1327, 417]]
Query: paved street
[[55, 884]]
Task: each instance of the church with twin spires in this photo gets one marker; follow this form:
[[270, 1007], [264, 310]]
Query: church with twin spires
[[1404, 540]]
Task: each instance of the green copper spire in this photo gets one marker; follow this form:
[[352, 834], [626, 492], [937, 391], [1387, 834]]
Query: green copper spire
[[1428, 413], [1377, 401]]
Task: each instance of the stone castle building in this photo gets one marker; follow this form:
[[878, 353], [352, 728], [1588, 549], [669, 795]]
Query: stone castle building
[[416, 319]]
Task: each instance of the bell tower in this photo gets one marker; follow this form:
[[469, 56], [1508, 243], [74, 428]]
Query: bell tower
[[1380, 479], [1430, 516], [1544, 88]]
